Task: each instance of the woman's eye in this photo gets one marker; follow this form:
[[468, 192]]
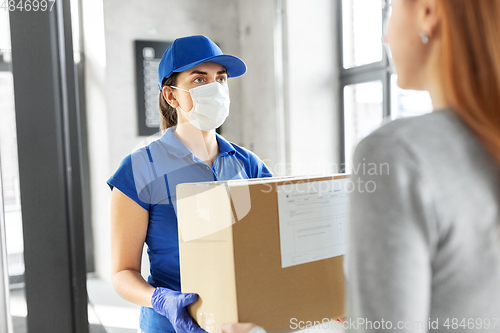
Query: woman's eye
[[221, 79], [198, 80]]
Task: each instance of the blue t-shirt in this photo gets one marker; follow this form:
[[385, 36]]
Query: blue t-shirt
[[149, 176]]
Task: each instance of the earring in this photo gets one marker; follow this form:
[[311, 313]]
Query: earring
[[424, 37]]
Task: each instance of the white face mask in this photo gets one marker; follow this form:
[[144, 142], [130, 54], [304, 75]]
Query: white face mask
[[210, 106]]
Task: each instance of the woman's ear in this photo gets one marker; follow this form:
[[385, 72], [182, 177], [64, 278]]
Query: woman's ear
[[168, 94], [429, 17]]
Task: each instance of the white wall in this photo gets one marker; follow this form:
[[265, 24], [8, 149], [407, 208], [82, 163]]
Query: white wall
[[98, 131], [259, 101], [313, 86]]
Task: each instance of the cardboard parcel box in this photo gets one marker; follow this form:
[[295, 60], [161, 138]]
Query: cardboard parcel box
[[267, 251]]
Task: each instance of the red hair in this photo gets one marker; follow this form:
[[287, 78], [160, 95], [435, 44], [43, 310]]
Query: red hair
[[470, 65]]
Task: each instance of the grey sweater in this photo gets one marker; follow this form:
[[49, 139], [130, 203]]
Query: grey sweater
[[424, 246]]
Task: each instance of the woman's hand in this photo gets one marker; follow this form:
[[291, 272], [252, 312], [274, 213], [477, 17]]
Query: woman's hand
[[172, 304], [238, 328]]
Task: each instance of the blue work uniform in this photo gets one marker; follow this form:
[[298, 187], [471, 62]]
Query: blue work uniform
[[149, 176]]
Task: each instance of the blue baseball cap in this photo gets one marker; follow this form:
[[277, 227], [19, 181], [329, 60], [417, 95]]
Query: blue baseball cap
[[188, 52]]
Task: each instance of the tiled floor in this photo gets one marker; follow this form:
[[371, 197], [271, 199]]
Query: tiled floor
[[111, 311], [108, 312]]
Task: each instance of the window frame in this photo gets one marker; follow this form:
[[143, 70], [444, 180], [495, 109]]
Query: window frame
[[377, 71], [7, 67]]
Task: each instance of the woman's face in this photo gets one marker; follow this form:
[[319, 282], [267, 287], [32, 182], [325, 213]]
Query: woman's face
[[409, 54], [204, 73]]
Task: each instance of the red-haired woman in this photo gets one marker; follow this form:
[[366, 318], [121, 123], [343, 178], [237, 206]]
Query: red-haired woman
[[424, 248]]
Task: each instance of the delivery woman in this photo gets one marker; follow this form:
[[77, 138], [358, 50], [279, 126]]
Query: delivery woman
[[424, 247], [194, 101]]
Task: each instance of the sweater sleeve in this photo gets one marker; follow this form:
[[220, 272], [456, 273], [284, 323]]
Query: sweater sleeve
[[388, 260]]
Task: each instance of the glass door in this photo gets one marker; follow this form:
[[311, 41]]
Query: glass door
[[42, 248], [12, 233]]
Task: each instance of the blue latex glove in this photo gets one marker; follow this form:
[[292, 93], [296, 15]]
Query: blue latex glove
[[171, 304]]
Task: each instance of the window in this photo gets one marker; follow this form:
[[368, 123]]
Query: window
[[8, 157], [364, 112], [369, 92], [362, 31], [10, 186]]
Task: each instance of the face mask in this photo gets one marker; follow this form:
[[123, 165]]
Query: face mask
[[210, 106]]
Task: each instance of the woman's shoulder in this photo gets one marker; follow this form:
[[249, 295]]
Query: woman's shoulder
[[254, 166], [240, 151], [420, 126], [140, 158], [426, 133], [438, 144], [251, 157]]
